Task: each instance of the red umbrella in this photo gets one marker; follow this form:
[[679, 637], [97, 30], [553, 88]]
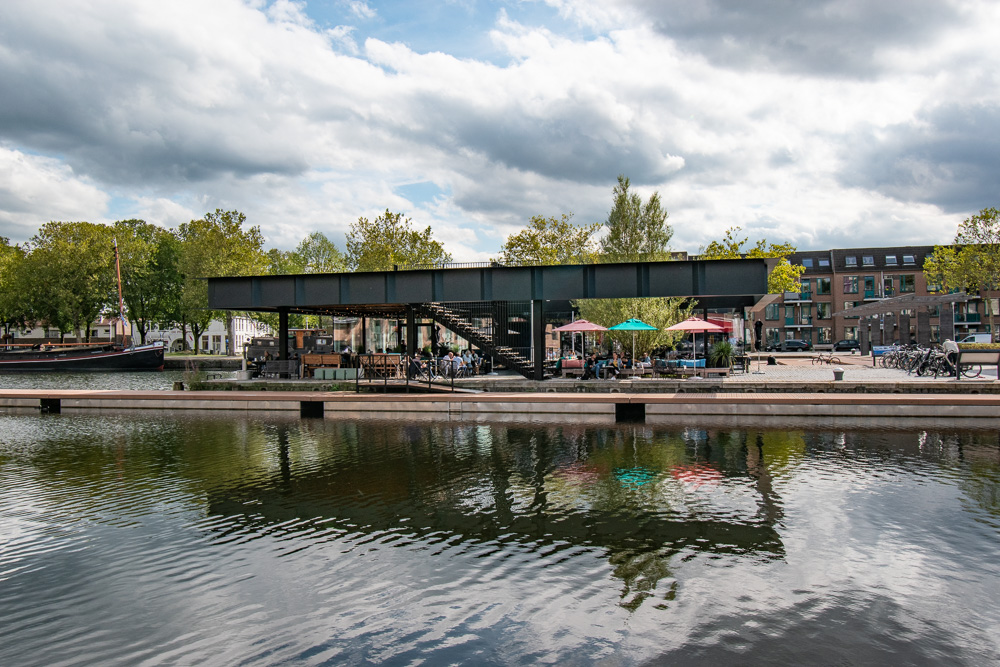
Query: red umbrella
[[695, 325]]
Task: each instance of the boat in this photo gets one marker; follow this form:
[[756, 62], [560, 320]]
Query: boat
[[106, 357]]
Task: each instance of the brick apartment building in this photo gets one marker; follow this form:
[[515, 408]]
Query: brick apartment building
[[839, 279]]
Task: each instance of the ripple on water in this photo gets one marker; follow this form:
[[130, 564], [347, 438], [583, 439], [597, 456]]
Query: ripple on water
[[263, 540]]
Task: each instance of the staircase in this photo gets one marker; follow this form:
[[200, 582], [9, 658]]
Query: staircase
[[482, 337]]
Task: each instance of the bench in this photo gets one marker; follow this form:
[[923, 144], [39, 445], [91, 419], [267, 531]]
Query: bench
[[976, 358], [281, 369], [572, 368], [312, 362]]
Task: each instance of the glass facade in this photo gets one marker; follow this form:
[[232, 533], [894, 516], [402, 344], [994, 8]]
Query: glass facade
[[771, 337]]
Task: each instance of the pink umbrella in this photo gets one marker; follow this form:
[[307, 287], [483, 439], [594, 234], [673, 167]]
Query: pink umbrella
[[579, 326], [695, 325]]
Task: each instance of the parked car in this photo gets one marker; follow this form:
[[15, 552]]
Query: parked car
[[977, 338], [792, 345], [846, 345]]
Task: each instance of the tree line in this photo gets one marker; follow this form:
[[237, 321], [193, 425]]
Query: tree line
[[64, 277]]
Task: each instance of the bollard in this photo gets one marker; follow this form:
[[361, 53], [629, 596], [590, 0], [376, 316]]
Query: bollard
[[838, 374]]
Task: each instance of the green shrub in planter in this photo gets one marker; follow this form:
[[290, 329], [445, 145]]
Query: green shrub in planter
[[979, 346], [721, 354]]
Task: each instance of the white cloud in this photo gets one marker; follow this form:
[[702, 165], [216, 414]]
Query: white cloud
[[35, 190], [183, 107], [362, 9]]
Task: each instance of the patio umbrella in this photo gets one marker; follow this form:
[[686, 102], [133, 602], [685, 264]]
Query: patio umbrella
[[581, 326], [695, 325], [632, 325]]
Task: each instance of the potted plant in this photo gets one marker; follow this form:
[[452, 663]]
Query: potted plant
[[721, 354]]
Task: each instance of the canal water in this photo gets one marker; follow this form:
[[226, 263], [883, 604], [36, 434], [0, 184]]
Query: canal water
[[189, 539], [117, 381]]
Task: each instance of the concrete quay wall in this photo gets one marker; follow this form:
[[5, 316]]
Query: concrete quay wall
[[571, 407]]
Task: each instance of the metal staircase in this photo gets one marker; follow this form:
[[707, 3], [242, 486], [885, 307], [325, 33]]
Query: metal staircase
[[458, 320]]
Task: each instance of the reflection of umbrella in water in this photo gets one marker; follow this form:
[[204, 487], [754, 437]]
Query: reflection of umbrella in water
[[696, 474], [632, 325], [695, 325], [634, 477], [581, 326]]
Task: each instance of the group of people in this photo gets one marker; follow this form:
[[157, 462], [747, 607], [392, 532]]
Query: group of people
[[609, 367], [448, 365]]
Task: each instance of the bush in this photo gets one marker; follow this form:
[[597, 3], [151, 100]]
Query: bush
[[721, 354]]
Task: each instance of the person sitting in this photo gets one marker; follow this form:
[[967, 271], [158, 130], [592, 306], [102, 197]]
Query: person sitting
[[590, 367], [613, 366]]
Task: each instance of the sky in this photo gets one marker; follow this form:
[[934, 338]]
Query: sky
[[829, 123]]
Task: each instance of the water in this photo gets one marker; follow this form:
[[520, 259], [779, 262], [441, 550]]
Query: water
[[142, 539], [117, 380]]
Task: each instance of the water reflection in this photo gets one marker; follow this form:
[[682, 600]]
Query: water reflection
[[624, 490], [440, 542]]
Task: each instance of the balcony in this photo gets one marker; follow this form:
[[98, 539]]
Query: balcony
[[797, 296], [967, 318], [801, 321], [873, 294]]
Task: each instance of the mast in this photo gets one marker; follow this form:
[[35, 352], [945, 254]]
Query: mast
[[121, 302]]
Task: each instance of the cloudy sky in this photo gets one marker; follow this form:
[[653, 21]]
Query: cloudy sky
[[829, 123]]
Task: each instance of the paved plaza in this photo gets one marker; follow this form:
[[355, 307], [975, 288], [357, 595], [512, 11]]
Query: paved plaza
[[801, 368]]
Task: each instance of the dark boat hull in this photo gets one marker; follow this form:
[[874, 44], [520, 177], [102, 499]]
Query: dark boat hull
[[142, 358]]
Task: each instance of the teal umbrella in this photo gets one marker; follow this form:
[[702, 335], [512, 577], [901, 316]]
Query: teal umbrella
[[632, 325]]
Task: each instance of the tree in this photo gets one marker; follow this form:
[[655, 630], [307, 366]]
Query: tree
[[13, 301], [550, 241], [637, 232], [70, 270], [783, 278], [660, 312], [974, 262], [390, 241], [151, 279], [215, 246], [318, 254]]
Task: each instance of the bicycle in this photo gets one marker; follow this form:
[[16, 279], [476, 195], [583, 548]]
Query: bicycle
[[825, 359]]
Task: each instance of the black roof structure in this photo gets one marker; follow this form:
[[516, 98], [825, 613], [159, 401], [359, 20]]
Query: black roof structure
[[714, 283]]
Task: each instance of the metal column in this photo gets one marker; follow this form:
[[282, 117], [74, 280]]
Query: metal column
[[538, 337], [411, 332], [283, 334]]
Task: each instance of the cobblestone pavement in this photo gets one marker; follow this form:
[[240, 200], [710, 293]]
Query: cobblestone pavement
[[856, 368]]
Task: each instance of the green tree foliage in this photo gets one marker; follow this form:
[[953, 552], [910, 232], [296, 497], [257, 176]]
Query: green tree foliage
[[70, 271], [550, 241], [389, 241], [318, 254], [151, 279], [974, 262], [660, 312], [216, 245], [784, 277], [637, 232], [14, 306]]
